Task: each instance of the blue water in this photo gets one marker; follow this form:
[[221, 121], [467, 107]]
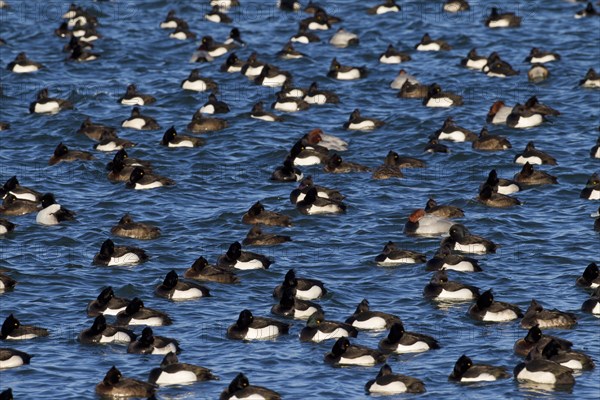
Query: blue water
[[546, 243]]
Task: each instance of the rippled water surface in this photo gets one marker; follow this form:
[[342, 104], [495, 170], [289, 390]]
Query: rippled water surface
[[546, 243]]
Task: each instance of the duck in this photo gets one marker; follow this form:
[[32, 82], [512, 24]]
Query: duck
[[474, 60], [106, 303], [428, 44], [147, 343], [201, 270], [111, 255], [173, 288], [288, 52], [504, 20], [437, 98], [529, 176], [127, 227], [23, 65], [588, 11], [63, 154], [172, 372], [488, 142], [232, 64], [337, 165], [271, 76], [488, 197], [413, 90], [365, 319], [535, 337], [462, 240], [215, 15], [319, 97], [75, 42], [289, 90], [172, 139], [201, 123], [454, 133], [440, 288], [454, 6], [308, 155], [289, 5], [393, 56], [171, 21], [140, 122], [53, 213], [360, 123], [137, 314], [109, 143], [345, 72], [445, 259], [534, 105], [238, 259], [258, 112], [304, 36], [538, 73], [497, 67], [13, 187], [537, 315], [252, 67], [212, 48], [591, 79], [256, 237], [592, 188], [291, 306], [576, 360], [11, 206], [13, 330], [258, 215], [303, 288], [6, 227], [96, 131], [422, 224], [534, 156], [544, 372], [249, 327], [11, 358], [307, 182], [399, 341], [592, 305], [197, 83], [85, 32], [214, 106], [119, 172], [287, 172], [6, 282], [48, 105], [101, 332], [115, 385], [434, 146], [343, 354], [344, 38], [595, 151], [133, 98], [391, 255], [388, 383], [501, 185], [289, 104], [590, 277], [489, 310], [142, 180], [240, 388], [498, 113], [466, 372], [384, 8], [521, 117], [402, 78], [441, 210], [318, 329], [318, 22]]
